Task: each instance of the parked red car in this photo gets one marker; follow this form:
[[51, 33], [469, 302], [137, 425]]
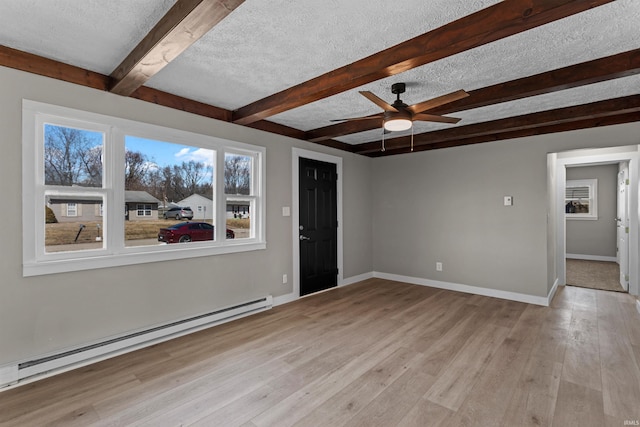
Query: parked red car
[[189, 232]]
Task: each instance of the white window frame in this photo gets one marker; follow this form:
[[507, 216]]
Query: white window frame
[[592, 199], [146, 208], [251, 198], [72, 212], [114, 252]]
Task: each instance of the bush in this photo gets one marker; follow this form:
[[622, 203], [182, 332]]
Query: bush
[[50, 217]]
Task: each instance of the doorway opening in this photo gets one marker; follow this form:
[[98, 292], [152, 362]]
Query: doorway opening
[[596, 226], [624, 220]]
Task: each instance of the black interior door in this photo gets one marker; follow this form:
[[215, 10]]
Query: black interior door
[[318, 226]]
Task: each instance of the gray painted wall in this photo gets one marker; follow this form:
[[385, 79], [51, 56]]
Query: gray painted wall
[[447, 205], [595, 237], [48, 313], [401, 215]]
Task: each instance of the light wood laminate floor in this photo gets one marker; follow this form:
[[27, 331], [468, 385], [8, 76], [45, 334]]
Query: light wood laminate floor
[[377, 353]]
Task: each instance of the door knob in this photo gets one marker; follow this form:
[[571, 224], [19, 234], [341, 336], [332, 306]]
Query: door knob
[[304, 238]]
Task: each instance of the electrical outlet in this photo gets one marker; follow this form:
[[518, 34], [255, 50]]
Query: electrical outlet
[[285, 279], [438, 266]]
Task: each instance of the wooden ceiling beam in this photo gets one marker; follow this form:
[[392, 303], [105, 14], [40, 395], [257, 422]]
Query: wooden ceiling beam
[[594, 110], [598, 70], [176, 102], [500, 136], [185, 23], [501, 20], [35, 64]]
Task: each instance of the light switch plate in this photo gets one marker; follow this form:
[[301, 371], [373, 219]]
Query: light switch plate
[[286, 211], [508, 201]]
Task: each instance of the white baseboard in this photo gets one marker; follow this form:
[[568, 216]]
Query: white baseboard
[[287, 298], [552, 292], [638, 305], [592, 257], [513, 296], [488, 292], [355, 279], [284, 299]]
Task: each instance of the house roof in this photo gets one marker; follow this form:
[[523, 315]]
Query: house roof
[[530, 66], [139, 196]]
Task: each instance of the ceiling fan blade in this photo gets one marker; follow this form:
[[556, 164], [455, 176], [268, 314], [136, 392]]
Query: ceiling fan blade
[[433, 118], [438, 101], [351, 119], [378, 101]]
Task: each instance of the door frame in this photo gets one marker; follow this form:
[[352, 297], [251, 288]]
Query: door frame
[[296, 154], [622, 254], [594, 157]]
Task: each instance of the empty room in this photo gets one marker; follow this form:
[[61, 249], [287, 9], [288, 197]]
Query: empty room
[[304, 213]]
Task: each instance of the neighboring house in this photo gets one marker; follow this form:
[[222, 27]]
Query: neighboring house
[[75, 209], [202, 206], [139, 206], [237, 209]]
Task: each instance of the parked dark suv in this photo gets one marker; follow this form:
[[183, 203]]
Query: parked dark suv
[[179, 213]]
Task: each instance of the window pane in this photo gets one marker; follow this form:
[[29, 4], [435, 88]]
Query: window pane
[[73, 223], [238, 219], [162, 181], [237, 174], [578, 192], [72, 157]]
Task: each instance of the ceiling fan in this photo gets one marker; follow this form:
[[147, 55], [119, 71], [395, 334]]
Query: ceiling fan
[[400, 116]]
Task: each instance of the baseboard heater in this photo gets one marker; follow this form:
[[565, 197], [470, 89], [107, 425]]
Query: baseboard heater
[[31, 370]]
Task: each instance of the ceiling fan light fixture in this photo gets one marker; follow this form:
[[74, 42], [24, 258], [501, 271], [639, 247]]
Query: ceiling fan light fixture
[[397, 124]]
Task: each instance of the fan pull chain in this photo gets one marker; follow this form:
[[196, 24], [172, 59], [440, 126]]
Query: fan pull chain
[[412, 139], [383, 149]]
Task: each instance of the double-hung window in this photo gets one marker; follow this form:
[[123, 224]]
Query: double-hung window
[[581, 199], [144, 210], [97, 189]]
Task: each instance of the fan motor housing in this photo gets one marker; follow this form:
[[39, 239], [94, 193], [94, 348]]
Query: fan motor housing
[[398, 88]]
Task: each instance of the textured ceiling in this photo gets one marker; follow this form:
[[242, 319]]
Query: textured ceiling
[[264, 47]]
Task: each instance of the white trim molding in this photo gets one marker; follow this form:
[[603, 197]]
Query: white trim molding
[[592, 257], [287, 298], [284, 299], [476, 290], [552, 292], [355, 279], [574, 158]]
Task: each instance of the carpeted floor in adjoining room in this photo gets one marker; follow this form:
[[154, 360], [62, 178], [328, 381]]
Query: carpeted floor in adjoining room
[[603, 275]]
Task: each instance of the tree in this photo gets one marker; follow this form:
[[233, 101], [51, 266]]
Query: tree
[[192, 173], [136, 170], [237, 175], [72, 157]]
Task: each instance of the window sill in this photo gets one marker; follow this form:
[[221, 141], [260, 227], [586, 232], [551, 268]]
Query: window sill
[[131, 256]]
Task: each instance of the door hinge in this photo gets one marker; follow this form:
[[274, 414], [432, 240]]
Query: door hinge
[[626, 277], [626, 230], [626, 181]]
